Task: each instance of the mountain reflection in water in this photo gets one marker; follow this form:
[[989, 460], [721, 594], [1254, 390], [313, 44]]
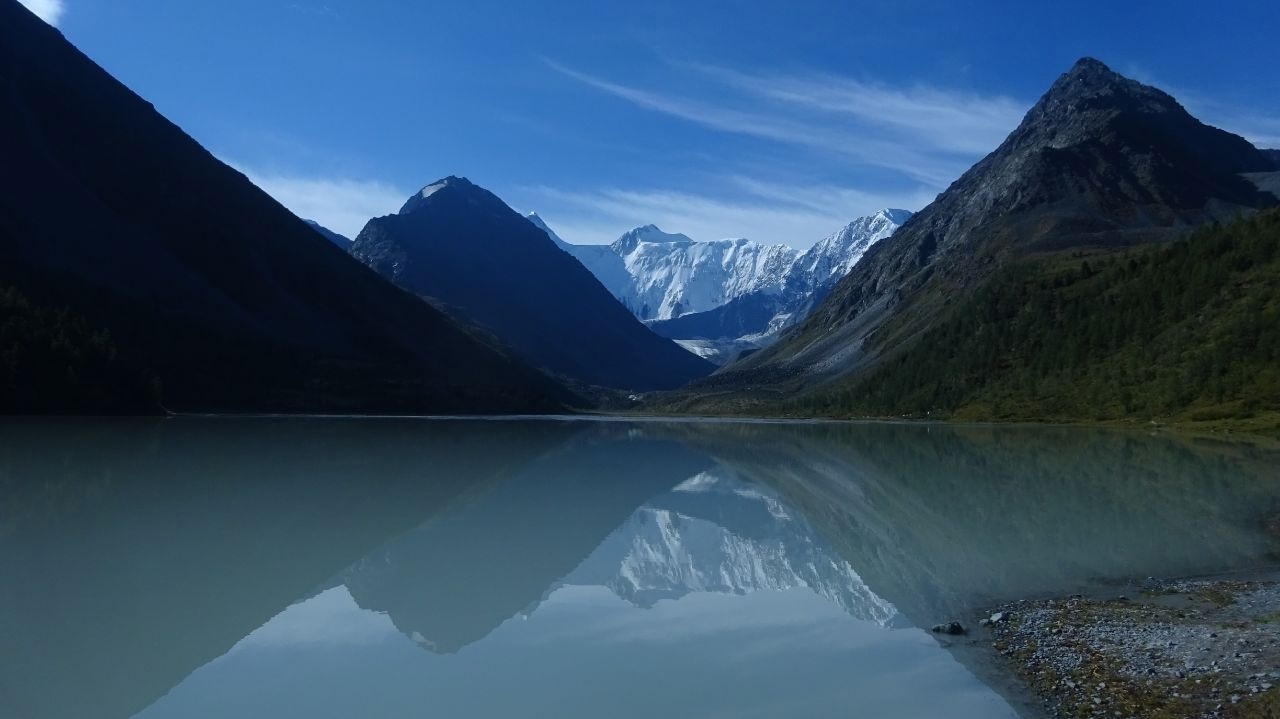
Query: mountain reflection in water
[[290, 567]]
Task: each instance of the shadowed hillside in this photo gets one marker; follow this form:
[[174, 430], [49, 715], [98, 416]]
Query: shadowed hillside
[[112, 214]]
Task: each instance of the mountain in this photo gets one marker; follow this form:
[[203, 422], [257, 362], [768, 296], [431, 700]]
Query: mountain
[[756, 319], [831, 258], [1188, 332], [658, 275], [1100, 162], [715, 533], [718, 299], [462, 246], [343, 243], [185, 276], [672, 275]]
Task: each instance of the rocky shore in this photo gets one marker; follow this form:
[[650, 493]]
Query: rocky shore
[[1168, 650]]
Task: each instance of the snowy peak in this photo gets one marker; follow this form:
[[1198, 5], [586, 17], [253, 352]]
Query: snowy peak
[[674, 277], [833, 257], [647, 234], [662, 276], [896, 217]]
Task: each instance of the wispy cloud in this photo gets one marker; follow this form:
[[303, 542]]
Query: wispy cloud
[[945, 120], [48, 10], [925, 134], [895, 147], [343, 205], [763, 211]]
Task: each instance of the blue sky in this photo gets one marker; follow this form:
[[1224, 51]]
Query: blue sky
[[774, 121]]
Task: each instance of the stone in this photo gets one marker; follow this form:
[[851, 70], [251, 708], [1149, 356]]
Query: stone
[[952, 628]]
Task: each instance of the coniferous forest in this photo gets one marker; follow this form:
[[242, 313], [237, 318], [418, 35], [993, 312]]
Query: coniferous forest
[[52, 359], [1188, 331]]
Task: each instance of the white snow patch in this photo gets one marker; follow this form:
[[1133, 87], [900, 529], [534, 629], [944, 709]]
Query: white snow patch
[[430, 190]]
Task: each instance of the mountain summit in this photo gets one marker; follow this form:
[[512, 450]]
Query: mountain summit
[[462, 246], [1100, 161]]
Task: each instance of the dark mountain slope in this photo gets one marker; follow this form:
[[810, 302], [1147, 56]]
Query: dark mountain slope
[[462, 246], [1100, 161], [202, 280], [1189, 331]]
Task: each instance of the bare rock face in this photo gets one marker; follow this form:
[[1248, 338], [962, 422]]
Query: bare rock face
[[1099, 161]]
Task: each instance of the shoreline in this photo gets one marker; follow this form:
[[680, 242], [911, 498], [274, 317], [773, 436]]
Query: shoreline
[[1200, 647], [1212, 431]]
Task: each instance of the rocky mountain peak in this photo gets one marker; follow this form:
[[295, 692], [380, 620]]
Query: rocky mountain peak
[[449, 189], [1087, 100], [1100, 161]]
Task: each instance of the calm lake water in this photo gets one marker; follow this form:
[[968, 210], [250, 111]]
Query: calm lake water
[[528, 568]]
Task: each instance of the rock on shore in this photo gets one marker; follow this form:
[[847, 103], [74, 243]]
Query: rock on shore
[[1182, 650]]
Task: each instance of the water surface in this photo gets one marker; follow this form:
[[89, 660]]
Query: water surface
[[391, 568]]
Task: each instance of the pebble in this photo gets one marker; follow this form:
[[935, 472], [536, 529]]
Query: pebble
[[1163, 644]]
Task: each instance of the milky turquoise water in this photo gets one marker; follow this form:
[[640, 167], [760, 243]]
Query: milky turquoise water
[[525, 568]]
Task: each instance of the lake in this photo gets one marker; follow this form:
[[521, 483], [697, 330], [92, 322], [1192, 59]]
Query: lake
[[264, 567]]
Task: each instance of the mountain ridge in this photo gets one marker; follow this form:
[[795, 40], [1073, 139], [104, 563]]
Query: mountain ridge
[[461, 245], [760, 290], [757, 318], [1099, 161]]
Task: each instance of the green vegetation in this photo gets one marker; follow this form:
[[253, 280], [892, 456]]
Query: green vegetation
[[53, 361], [1188, 333]]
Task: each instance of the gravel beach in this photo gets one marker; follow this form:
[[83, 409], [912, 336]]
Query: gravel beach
[[1176, 649]]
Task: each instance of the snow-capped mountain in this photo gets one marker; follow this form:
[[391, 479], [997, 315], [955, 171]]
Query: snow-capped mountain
[[756, 319], [831, 258], [659, 275], [720, 298], [715, 533], [662, 276], [673, 276]]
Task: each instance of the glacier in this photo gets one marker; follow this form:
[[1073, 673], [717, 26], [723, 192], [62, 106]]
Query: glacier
[[721, 298], [663, 276]]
